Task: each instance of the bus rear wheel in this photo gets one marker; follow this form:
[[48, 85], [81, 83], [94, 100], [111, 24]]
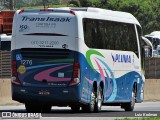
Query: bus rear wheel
[[99, 99], [32, 108], [91, 106], [37, 108], [46, 108], [130, 106]]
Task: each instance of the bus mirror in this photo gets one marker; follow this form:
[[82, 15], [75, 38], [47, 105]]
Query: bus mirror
[[147, 42], [148, 47]]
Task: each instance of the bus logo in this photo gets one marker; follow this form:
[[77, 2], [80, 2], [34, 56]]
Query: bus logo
[[121, 58], [23, 28]]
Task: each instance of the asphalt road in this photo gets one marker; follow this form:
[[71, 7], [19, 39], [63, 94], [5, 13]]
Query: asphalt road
[[145, 109]]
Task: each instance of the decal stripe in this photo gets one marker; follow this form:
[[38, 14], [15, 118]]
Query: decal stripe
[[101, 72], [88, 55], [114, 92], [90, 81], [45, 75]]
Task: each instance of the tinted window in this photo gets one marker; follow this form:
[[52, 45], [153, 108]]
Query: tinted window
[[102, 34], [142, 44], [5, 45]]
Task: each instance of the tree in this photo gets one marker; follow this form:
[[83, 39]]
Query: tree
[[44, 2], [74, 3], [11, 4], [147, 12], [93, 3]]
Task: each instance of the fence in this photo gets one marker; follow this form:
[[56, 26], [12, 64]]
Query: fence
[[152, 66], [5, 64]]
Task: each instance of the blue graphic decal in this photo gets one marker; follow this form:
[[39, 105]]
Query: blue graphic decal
[[114, 92]]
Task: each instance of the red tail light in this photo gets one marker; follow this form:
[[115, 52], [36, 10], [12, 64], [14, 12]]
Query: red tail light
[[14, 73], [76, 74], [21, 11], [72, 12]]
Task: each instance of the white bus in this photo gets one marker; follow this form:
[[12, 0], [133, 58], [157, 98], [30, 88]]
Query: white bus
[[77, 57], [154, 38]]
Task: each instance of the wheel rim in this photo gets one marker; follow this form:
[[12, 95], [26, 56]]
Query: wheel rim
[[133, 99], [99, 97], [93, 99]]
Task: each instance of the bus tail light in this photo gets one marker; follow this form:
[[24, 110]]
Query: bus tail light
[[76, 74], [21, 11], [72, 12], [15, 79]]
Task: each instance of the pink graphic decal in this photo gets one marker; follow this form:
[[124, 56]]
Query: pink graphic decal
[[90, 81], [101, 72], [45, 75]]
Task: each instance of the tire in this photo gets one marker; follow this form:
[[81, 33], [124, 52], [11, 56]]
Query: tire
[[90, 107], [75, 108], [46, 109], [99, 99], [33, 108], [130, 106]]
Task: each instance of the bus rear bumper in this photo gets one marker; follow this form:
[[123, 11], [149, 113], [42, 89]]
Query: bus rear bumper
[[59, 96]]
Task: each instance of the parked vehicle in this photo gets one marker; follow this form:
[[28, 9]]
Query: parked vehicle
[[154, 38]]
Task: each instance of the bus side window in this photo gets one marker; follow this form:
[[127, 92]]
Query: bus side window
[[142, 47], [84, 26]]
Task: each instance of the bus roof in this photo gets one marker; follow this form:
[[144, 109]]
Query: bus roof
[[154, 34], [109, 14], [90, 12]]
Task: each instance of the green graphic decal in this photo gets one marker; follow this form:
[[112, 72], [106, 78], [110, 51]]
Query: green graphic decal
[[88, 55]]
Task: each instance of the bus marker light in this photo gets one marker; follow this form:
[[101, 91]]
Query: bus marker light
[[72, 12], [23, 90], [21, 11], [76, 80]]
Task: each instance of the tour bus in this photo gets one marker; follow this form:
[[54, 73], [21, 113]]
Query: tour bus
[[82, 58], [154, 38]]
